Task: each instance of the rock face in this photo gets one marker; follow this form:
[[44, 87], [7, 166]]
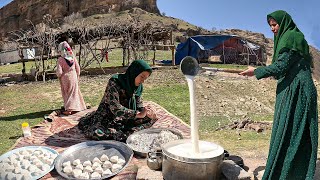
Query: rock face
[[13, 16]]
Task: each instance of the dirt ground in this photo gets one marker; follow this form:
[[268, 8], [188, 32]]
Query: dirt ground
[[231, 95], [220, 94]]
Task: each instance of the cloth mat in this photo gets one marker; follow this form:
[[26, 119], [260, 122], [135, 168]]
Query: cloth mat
[[63, 132]]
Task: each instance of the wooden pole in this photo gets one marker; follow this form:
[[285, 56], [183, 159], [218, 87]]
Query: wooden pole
[[123, 56], [128, 55], [173, 58], [172, 48], [43, 66], [224, 59], [154, 55], [23, 63], [80, 53], [248, 56]]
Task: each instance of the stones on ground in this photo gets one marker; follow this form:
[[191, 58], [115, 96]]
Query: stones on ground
[[233, 171], [247, 124]]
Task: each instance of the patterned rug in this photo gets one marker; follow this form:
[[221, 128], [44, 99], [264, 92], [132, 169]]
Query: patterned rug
[[63, 132]]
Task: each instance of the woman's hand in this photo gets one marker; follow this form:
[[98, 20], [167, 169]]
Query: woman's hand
[[248, 72], [151, 113], [141, 114]]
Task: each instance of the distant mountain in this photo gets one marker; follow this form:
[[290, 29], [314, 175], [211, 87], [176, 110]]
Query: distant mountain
[[95, 12]]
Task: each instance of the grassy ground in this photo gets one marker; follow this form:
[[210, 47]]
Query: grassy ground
[[115, 59], [31, 101]]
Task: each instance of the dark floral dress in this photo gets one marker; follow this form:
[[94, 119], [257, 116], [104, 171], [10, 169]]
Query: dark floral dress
[[113, 119]]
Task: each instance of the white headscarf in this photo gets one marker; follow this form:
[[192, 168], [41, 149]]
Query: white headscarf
[[66, 51]]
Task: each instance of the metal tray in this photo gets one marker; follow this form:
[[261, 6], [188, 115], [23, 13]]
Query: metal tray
[[43, 148], [91, 149], [131, 138]]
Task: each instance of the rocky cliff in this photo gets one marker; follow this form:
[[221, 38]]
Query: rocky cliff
[[13, 16]]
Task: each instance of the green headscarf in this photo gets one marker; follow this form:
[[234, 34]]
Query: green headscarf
[[289, 36], [127, 79]]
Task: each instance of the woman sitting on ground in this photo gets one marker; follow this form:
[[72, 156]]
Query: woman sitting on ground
[[121, 111]]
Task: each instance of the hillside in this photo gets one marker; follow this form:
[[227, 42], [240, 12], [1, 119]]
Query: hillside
[[182, 29], [122, 12]]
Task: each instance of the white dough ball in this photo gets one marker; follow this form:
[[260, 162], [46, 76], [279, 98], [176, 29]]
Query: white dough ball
[[79, 166], [114, 159], [116, 167], [106, 172], [95, 165], [76, 162], [96, 160], [87, 163], [33, 168], [84, 175], [104, 158], [77, 173], [18, 177], [17, 170], [26, 176], [10, 176], [45, 167], [88, 169], [68, 163], [25, 164], [67, 169], [107, 164], [95, 175], [121, 161], [98, 170], [9, 168]]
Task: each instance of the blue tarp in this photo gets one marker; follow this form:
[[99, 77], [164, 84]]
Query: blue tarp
[[196, 43]]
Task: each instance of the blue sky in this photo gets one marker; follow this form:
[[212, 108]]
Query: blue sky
[[243, 14], [246, 14], [4, 2]]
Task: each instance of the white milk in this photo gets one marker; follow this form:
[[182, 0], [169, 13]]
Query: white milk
[[207, 150], [193, 118]]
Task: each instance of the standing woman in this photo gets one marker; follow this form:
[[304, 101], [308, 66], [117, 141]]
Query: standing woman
[[294, 138], [68, 72]]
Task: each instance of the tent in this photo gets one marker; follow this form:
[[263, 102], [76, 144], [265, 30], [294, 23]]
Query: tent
[[227, 47]]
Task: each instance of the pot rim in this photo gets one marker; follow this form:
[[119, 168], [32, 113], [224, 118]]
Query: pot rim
[[166, 153]]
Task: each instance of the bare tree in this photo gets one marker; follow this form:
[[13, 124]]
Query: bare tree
[[136, 39]]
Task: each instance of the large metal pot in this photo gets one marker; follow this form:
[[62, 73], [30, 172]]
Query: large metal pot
[[177, 167]]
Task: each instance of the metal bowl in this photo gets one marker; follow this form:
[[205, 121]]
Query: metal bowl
[[43, 148], [131, 139], [91, 149]]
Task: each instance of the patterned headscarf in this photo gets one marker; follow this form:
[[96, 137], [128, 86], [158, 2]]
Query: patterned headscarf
[[126, 80], [66, 52], [289, 36]]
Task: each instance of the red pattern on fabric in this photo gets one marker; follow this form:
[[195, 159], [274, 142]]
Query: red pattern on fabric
[[63, 133]]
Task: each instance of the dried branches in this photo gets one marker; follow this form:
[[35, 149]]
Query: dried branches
[[135, 37]]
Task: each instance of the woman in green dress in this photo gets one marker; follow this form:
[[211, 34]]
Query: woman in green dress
[[294, 138], [121, 111]]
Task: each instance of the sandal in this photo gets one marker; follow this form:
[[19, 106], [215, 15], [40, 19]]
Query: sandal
[[67, 113], [48, 118]]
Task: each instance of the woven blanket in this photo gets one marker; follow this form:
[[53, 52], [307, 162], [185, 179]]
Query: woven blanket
[[63, 132]]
